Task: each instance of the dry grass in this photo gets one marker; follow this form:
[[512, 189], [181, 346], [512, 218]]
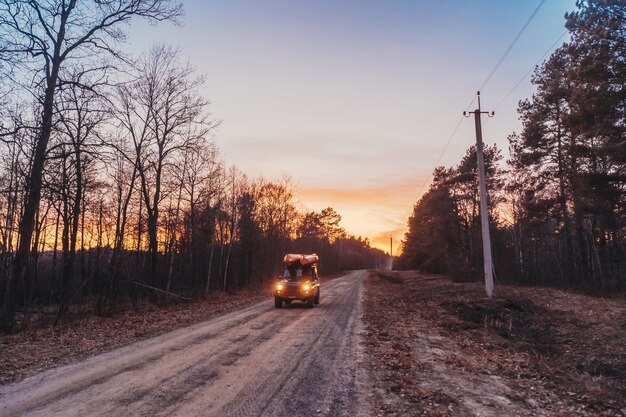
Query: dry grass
[[530, 351]]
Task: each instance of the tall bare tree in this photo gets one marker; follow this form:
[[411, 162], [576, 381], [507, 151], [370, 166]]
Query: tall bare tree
[[80, 113], [171, 114], [47, 38]]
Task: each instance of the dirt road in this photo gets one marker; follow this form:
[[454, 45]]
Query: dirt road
[[256, 361]]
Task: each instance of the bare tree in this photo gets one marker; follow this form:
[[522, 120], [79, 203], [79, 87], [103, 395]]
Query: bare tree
[[199, 187], [80, 111], [176, 216], [47, 37], [171, 115], [238, 184]]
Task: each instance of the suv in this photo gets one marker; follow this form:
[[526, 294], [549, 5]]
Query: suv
[[299, 281]]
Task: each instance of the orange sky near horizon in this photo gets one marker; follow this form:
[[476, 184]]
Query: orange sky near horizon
[[378, 212]]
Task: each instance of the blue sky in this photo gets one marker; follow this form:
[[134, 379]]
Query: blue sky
[[354, 100]]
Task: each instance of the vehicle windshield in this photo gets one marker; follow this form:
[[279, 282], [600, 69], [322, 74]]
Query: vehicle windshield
[[297, 272]]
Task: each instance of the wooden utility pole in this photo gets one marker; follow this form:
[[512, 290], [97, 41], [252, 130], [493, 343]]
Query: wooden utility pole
[[391, 251], [484, 213]]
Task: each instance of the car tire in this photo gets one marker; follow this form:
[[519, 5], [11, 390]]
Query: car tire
[[310, 302], [317, 296], [278, 302]]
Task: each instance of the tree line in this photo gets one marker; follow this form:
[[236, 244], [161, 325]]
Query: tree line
[[558, 205], [111, 187]]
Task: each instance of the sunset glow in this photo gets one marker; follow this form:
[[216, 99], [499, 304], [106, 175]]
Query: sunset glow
[[362, 211], [198, 197], [355, 101]]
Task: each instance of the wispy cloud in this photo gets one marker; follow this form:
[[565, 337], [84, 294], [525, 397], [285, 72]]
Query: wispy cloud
[[317, 160]]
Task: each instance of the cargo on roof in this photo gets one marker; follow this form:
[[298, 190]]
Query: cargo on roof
[[303, 259]]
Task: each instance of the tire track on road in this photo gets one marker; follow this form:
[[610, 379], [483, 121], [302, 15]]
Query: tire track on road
[[256, 361]]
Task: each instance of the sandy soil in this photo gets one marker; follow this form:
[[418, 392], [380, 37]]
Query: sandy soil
[[255, 361], [439, 348]]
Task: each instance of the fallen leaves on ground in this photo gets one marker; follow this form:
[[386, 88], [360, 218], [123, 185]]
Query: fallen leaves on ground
[[43, 347], [440, 348]]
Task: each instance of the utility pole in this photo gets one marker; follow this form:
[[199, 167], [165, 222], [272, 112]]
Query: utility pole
[[391, 252], [484, 213]]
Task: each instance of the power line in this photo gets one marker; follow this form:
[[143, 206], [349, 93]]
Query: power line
[[550, 49], [470, 105], [493, 71], [530, 71], [456, 128], [445, 148], [504, 55]]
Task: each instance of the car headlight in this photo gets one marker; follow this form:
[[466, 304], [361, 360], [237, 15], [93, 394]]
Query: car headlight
[[279, 287], [306, 287]]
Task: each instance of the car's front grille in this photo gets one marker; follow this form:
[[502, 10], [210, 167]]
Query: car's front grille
[[292, 290]]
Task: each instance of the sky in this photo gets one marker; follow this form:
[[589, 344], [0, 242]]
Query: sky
[[355, 100]]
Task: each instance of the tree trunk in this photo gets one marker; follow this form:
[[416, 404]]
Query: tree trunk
[[175, 226], [27, 221], [208, 275]]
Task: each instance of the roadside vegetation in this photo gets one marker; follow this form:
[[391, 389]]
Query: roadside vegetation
[[435, 347], [112, 190], [558, 205], [553, 345]]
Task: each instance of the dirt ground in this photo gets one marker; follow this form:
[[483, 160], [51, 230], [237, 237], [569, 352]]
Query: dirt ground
[[81, 335], [44, 346], [254, 361], [439, 348], [424, 346]]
